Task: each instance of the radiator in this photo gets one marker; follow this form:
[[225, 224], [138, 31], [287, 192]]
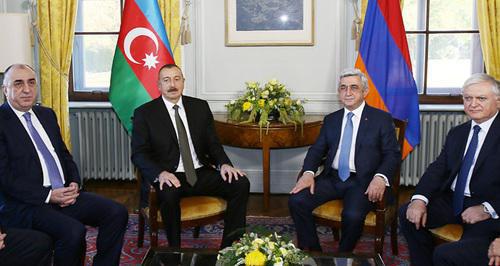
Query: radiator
[[433, 127], [101, 146]]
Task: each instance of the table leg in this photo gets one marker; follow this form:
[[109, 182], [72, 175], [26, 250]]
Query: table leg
[[266, 175]]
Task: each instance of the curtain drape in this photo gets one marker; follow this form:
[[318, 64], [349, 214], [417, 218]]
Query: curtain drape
[[56, 24], [170, 11], [488, 14]]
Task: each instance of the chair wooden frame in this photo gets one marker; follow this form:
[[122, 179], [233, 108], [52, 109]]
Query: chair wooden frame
[[150, 215], [381, 210]]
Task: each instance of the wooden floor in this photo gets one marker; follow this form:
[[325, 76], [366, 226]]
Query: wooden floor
[[126, 192]]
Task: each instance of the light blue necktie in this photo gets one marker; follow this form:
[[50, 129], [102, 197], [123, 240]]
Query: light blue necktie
[[50, 163], [465, 168], [345, 149]]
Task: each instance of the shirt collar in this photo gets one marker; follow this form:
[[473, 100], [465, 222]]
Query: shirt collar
[[357, 112], [170, 105], [20, 114], [486, 124]]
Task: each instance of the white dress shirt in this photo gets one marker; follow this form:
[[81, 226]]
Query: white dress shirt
[[46, 140], [182, 114], [485, 127]]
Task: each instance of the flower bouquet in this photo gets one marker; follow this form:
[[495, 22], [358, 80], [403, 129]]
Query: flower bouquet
[[261, 104], [261, 251]]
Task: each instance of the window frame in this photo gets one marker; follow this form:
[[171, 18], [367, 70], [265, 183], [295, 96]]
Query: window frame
[[93, 96], [425, 98]]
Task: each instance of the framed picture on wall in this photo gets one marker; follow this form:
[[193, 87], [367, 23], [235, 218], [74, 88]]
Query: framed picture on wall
[[269, 22]]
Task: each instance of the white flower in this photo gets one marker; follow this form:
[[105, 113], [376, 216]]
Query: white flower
[[232, 102], [265, 94], [278, 262]]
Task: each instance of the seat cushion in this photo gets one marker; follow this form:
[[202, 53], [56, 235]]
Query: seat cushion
[[198, 207], [449, 232], [332, 210]]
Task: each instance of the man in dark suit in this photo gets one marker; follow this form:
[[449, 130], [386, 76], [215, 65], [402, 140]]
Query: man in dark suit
[[463, 185], [175, 147], [362, 153], [40, 182], [25, 247]]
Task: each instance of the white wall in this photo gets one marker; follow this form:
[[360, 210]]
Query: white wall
[[11, 6], [217, 73]]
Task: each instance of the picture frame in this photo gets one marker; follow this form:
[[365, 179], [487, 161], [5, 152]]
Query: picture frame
[[269, 23]]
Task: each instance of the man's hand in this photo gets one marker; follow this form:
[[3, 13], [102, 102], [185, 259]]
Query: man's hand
[[64, 196], [494, 252], [417, 213], [227, 172], [376, 189], [475, 214], [169, 179], [2, 240], [305, 181]]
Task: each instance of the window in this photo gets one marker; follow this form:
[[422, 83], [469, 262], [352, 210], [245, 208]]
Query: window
[[96, 32], [443, 39]]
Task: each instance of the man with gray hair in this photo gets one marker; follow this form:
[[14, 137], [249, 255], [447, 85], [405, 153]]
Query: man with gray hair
[[462, 186], [362, 153], [40, 183]]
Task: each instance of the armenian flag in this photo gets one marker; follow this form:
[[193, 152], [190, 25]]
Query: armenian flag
[[385, 60]]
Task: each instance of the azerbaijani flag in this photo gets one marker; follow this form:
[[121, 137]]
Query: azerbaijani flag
[[385, 60], [142, 48]]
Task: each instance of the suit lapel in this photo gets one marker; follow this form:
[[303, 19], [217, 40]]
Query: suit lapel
[[18, 129], [163, 115], [337, 130], [190, 115], [463, 134], [489, 143], [363, 127]]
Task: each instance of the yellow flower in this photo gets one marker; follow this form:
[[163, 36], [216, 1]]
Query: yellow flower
[[262, 102], [255, 258], [265, 94], [288, 101], [247, 106], [273, 81]]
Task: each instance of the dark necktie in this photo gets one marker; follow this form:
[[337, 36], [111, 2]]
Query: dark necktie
[[465, 168], [184, 148], [50, 162], [345, 149]]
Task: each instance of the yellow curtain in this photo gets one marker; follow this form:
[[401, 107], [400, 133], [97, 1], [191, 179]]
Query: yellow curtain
[[55, 24], [488, 14], [170, 11]]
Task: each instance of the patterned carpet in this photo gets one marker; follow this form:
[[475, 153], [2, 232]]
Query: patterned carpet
[[210, 238]]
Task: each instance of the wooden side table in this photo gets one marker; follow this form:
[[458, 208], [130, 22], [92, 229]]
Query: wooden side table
[[279, 136]]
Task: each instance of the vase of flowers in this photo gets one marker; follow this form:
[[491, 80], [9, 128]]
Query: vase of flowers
[[254, 250], [262, 104]]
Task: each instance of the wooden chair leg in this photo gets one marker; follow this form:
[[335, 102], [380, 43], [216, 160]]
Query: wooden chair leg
[[336, 235], [196, 232], [394, 237], [140, 233], [379, 244], [154, 238]]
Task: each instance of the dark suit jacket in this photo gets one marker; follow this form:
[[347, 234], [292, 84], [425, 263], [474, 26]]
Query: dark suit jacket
[[21, 177], [485, 180], [377, 150], [155, 147]]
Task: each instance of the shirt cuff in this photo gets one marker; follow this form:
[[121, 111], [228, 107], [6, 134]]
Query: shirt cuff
[[47, 200], [490, 210], [420, 197], [386, 180], [311, 172]]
